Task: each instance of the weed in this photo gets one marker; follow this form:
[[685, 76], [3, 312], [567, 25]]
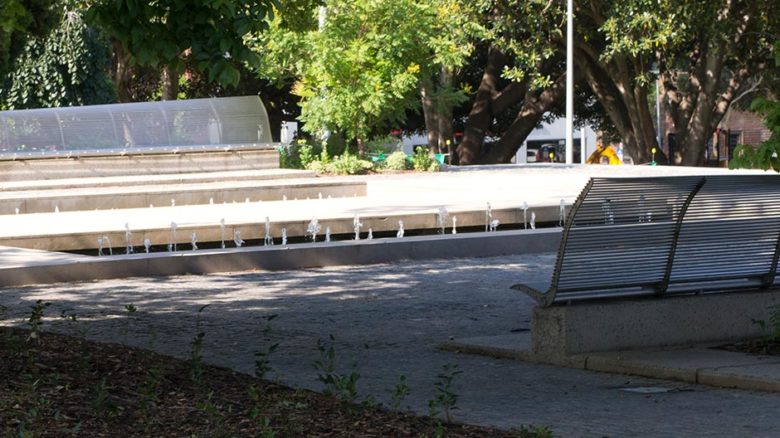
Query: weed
[[771, 327], [36, 318], [196, 354], [130, 309], [262, 362], [101, 398], [149, 389], [256, 410], [343, 387], [444, 400], [37, 404], [400, 391], [532, 432], [214, 415]]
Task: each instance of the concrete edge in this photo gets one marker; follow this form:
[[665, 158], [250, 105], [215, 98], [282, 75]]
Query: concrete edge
[[728, 376], [283, 257], [714, 378]]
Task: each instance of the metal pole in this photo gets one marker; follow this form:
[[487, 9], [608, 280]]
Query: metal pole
[[569, 82], [658, 109]]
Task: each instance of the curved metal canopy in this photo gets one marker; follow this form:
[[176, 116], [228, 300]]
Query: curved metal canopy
[[132, 128]]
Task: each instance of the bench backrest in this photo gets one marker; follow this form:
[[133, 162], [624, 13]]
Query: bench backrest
[[661, 235]]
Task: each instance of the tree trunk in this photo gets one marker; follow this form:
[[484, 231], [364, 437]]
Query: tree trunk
[[481, 115], [170, 83], [122, 73], [623, 99], [536, 104], [430, 115], [444, 113]]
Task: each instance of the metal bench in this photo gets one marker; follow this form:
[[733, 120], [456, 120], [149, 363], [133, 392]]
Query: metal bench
[[628, 237]]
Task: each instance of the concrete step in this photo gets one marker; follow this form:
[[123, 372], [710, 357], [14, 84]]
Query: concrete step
[[159, 195], [154, 179], [124, 165]]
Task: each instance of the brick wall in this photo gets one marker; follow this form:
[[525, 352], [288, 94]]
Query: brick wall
[[751, 129]]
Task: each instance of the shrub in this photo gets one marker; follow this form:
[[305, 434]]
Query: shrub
[[764, 157], [397, 161], [348, 164], [299, 154], [306, 155], [422, 160]]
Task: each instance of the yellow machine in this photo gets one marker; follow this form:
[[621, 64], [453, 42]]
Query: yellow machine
[[605, 151]]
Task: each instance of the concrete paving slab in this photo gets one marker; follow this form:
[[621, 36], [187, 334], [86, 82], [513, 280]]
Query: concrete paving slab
[[691, 364], [12, 258], [387, 320], [764, 376], [189, 193]]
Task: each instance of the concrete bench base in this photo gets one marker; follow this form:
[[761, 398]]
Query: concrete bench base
[[562, 331]]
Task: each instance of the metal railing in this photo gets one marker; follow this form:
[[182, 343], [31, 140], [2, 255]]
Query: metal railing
[[658, 236]]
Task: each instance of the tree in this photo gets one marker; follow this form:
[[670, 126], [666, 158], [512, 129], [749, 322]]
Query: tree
[[66, 67], [20, 20], [523, 79], [707, 54], [169, 33], [363, 69], [767, 155]]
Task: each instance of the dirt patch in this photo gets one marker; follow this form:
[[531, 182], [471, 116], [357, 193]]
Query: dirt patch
[[56, 385], [762, 346]]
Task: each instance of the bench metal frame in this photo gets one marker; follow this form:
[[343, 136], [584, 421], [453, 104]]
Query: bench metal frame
[[657, 236]]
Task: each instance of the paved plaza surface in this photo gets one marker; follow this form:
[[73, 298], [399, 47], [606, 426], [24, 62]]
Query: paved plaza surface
[[387, 321]]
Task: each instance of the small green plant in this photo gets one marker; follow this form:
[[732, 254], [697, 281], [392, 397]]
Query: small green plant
[[341, 386], [214, 415], [397, 161], [196, 354], [399, 393], [445, 400], [262, 363], [101, 398], [348, 164], [307, 155], [37, 406], [772, 326], [36, 318], [298, 155], [324, 156], [285, 161], [150, 388], [532, 432], [130, 309], [422, 160]]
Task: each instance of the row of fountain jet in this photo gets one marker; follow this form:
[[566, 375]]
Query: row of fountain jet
[[313, 229]]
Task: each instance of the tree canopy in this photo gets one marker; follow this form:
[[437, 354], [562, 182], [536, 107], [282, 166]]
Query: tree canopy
[[360, 67], [205, 35], [364, 67], [67, 67]]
